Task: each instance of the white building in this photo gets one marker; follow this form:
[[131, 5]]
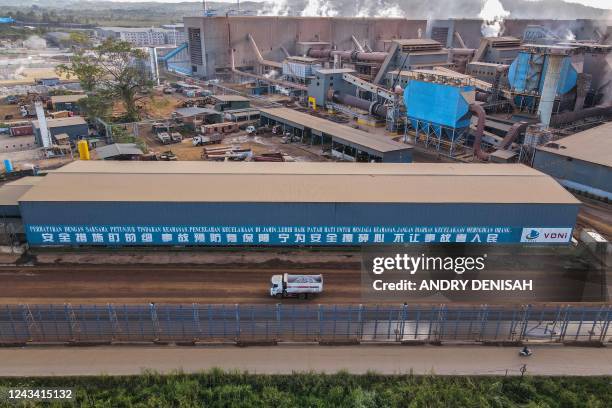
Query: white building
[[176, 33], [138, 36]]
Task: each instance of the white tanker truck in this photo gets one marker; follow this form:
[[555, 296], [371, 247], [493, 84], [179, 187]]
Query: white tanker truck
[[302, 286]]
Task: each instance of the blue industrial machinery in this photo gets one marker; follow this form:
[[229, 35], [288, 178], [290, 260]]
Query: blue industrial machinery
[[528, 71], [437, 106]]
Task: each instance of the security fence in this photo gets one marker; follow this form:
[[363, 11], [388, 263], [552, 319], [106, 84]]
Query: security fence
[[299, 322]]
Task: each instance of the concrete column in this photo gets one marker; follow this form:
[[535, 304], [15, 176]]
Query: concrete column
[[549, 90]]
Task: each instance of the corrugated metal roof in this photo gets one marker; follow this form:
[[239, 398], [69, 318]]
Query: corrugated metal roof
[[67, 98], [194, 110], [60, 122], [299, 182], [358, 137], [11, 192], [592, 145], [117, 149], [230, 98], [25, 181]]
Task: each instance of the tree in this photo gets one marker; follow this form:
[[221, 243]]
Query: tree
[[113, 71]]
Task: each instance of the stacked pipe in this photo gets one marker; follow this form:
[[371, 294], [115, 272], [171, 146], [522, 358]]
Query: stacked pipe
[[349, 55], [374, 108]]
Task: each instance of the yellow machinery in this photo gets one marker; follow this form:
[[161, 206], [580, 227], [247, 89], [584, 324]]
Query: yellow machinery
[[83, 147], [312, 102]]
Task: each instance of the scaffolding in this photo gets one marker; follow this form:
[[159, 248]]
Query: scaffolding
[[444, 139]]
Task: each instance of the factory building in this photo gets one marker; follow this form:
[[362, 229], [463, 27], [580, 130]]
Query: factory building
[[581, 162], [247, 40], [294, 204], [344, 142], [67, 102], [231, 102], [75, 127], [208, 38]]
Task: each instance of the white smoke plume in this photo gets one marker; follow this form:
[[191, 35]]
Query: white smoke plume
[[319, 8], [492, 14], [379, 8], [333, 8], [272, 74], [275, 8], [568, 35], [35, 42]]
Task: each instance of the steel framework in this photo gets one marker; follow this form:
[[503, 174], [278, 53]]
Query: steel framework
[[294, 322]]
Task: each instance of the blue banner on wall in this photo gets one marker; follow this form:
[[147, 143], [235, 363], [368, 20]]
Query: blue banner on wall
[[285, 235]]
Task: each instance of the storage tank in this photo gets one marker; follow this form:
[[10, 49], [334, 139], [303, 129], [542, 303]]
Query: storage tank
[[8, 165], [83, 147]]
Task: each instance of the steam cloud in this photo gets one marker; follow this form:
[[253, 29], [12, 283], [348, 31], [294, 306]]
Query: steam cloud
[[492, 14], [35, 42]]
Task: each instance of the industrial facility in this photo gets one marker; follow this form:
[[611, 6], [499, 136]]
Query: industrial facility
[[301, 172], [440, 83]]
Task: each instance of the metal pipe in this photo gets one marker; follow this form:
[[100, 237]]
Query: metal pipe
[[515, 130], [357, 44], [260, 59], [549, 89], [263, 78], [582, 88], [349, 55], [568, 117], [374, 108], [481, 115]]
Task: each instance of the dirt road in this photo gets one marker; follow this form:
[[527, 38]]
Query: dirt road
[[161, 284], [285, 359]]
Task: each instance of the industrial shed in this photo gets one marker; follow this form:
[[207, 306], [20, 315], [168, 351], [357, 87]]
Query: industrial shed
[[582, 161], [345, 142], [67, 102], [75, 127], [295, 204]]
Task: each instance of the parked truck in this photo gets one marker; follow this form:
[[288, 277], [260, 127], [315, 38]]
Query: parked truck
[[201, 140], [164, 138], [176, 137], [302, 286]]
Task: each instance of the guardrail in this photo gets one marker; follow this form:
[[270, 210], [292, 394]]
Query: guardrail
[[297, 322]]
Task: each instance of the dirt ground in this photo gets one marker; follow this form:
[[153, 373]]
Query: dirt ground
[[232, 276], [596, 215], [551, 360], [10, 110], [161, 284]]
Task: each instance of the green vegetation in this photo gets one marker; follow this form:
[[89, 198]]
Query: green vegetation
[[121, 135], [220, 389], [112, 71]]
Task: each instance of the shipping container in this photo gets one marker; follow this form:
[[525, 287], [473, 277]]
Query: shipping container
[[23, 130]]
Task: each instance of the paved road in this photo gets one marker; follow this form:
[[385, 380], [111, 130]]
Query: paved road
[[285, 359]]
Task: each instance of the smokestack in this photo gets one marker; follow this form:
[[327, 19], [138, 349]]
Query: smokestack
[[549, 90], [45, 138]]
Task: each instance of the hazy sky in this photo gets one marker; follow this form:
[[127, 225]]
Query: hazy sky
[[606, 4]]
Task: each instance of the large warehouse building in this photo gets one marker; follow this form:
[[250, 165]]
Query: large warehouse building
[[202, 203], [582, 161]]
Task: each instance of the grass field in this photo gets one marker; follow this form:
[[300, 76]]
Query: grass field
[[221, 389]]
